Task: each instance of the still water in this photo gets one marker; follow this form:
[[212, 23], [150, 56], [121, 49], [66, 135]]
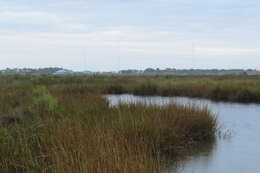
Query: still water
[[237, 153]]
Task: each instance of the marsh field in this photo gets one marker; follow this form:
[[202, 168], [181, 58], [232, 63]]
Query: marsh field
[[64, 124]]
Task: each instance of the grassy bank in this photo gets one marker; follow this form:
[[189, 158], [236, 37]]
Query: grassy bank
[[218, 88], [71, 128], [236, 88]]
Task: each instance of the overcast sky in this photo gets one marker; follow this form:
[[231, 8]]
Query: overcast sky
[[104, 35]]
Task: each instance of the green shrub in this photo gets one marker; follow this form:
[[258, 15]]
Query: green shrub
[[146, 89], [44, 98]]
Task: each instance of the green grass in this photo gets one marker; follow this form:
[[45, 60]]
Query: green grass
[[236, 88], [70, 127]]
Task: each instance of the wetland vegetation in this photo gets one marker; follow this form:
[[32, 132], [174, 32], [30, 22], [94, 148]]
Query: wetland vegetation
[[64, 124]]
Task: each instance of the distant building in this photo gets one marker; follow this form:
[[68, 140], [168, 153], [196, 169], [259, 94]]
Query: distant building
[[87, 72], [63, 72]]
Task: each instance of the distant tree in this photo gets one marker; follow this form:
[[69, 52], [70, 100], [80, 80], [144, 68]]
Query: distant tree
[[149, 70]]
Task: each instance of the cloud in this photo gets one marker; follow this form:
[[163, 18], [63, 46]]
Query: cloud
[[225, 51], [29, 17], [35, 21], [151, 32], [70, 48]]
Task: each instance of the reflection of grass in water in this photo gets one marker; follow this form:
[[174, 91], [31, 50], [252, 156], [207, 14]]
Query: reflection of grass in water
[[205, 149], [224, 133]]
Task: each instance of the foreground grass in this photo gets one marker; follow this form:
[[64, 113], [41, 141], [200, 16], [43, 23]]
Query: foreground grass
[[71, 129]]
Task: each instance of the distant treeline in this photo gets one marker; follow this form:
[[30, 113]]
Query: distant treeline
[[173, 71], [148, 71], [36, 71]]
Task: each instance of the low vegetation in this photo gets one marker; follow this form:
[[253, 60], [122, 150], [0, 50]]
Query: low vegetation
[[229, 88], [65, 125]]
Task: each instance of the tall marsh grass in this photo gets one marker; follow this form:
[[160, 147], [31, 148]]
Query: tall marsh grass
[[83, 134]]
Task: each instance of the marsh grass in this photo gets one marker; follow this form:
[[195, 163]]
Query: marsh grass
[[230, 88], [84, 134], [225, 88]]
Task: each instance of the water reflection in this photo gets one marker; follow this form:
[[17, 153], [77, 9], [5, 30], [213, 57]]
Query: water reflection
[[203, 155], [239, 154]]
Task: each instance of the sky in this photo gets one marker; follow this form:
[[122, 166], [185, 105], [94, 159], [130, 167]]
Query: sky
[[101, 35]]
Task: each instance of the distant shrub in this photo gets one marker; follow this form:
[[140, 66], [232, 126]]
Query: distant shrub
[[43, 79], [115, 89], [245, 95], [44, 98], [146, 89]]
